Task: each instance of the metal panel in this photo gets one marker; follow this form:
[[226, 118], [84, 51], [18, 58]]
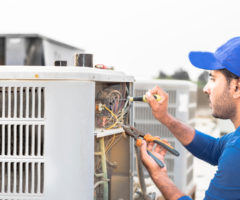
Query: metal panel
[[21, 102], [69, 146], [53, 51], [34, 49], [15, 51], [63, 73], [47, 133]]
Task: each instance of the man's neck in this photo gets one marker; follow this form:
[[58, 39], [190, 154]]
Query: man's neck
[[236, 121]]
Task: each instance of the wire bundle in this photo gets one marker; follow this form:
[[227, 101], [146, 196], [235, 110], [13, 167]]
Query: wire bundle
[[115, 105]]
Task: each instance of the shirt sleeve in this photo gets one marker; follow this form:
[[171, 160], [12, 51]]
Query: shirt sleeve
[[205, 147], [185, 198], [226, 184]]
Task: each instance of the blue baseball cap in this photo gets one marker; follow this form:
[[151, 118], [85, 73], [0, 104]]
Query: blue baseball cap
[[226, 56]]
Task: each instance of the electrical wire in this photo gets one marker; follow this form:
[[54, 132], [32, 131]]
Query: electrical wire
[[113, 125], [110, 143], [116, 140], [113, 102], [116, 104]]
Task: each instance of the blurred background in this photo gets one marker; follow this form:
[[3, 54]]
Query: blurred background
[[146, 39], [137, 36]]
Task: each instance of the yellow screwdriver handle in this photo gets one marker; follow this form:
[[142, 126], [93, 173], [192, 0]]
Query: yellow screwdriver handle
[[143, 98], [156, 96]]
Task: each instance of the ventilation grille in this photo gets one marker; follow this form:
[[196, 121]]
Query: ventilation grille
[[19, 142], [22, 134], [22, 140], [154, 129], [21, 177], [139, 92], [145, 113], [21, 102]]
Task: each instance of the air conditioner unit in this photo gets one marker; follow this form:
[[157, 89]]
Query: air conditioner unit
[[34, 50], [182, 104], [50, 140]]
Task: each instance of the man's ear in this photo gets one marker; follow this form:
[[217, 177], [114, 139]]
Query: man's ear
[[236, 93]]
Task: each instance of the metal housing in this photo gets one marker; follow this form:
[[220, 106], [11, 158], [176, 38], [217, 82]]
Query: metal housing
[[47, 135]]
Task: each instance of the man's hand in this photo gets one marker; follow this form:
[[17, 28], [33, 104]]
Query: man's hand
[[159, 108], [159, 175], [181, 131], [148, 161]]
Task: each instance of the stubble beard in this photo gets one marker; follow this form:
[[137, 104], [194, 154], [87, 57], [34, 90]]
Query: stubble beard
[[224, 107]]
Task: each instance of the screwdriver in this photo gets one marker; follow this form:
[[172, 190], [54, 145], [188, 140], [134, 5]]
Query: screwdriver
[[143, 98]]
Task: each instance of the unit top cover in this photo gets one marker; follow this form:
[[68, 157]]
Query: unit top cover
[[62, 73]]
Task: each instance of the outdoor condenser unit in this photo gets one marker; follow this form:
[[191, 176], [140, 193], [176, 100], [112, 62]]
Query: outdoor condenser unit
[[55, 144], [182, 104], [34, 50]]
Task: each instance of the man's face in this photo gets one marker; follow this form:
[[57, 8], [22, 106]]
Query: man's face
[[220, 96]]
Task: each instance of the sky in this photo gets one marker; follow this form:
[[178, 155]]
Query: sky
[[138, 37]]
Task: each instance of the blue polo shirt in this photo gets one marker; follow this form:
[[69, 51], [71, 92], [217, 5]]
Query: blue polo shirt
[[224, 152]]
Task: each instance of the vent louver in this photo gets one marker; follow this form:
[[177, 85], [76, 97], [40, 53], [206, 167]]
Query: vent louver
[[22, 130]]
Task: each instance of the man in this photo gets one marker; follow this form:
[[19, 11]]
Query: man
[[223, 89]]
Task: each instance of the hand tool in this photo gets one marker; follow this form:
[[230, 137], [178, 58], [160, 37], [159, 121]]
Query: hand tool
[[159, 162], [168, 147], [149, 138], [131, 131], [143, 98]]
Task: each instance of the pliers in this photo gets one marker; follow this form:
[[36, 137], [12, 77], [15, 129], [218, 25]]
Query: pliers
[[136, 134]]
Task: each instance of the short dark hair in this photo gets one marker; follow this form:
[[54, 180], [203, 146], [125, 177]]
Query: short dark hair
[[229, 75]]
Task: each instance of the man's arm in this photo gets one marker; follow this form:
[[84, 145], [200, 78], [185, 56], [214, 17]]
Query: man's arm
[[159, 175], [181, 131]]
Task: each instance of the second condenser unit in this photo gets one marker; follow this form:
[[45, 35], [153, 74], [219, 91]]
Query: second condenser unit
[[182, 104]]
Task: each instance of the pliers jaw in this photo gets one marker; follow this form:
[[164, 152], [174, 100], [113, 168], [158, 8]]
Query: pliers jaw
[[133, 132], [136, 134]]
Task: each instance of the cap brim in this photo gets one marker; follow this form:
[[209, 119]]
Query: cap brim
[[204, 60]]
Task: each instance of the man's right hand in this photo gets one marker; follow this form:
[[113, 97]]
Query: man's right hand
[[181, 131], [159, 108]]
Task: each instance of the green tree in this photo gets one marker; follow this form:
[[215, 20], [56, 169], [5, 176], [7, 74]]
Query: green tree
[[162, 75], [202, 79], [180, 74]]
